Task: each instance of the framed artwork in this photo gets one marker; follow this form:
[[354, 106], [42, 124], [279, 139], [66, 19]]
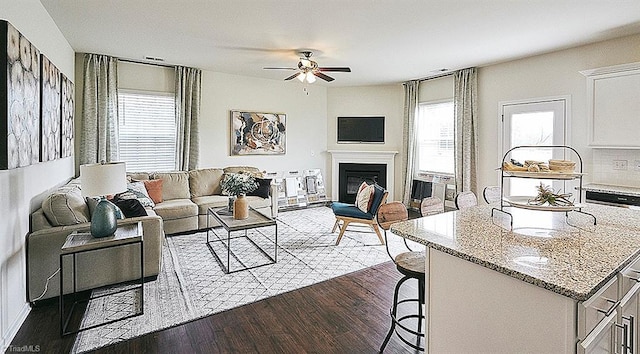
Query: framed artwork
[[19, 99], [50, 111], [67, 110], [256, 133]]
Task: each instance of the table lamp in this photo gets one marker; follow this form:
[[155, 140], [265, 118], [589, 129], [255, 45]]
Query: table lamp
[[100, 180]]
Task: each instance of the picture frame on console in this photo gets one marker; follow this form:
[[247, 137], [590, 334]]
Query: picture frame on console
[[257, 133]]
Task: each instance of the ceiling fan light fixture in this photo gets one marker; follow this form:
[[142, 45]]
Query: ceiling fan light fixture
[[301, 77], [305, 62], [310, 77]]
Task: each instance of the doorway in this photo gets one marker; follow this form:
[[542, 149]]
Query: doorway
[[534, 122]]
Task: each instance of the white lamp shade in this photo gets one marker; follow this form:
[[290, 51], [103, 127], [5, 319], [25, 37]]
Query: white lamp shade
[[310, 77], [103, 179]]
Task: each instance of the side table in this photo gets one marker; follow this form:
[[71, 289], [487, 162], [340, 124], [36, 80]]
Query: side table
[[82, 242], [255, 221]]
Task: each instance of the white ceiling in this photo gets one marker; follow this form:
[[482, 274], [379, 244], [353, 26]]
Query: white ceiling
[[383, 41]]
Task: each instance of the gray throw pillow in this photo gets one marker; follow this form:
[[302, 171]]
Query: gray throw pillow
[[66, 206]]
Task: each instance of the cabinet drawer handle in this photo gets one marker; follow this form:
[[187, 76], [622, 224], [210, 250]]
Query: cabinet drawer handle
[[610, 310], [632, 321], [625, 338]]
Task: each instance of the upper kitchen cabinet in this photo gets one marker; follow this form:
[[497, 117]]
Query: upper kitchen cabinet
[[613, 99]]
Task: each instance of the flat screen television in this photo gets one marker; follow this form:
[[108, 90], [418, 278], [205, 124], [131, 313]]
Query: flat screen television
[[360, 129]]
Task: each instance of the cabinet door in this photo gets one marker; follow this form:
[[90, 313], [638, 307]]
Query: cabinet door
[[594, 310], [613, 96], [626, 334], [601, 339]]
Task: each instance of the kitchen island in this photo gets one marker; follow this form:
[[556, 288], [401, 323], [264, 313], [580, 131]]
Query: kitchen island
[[543, 287]]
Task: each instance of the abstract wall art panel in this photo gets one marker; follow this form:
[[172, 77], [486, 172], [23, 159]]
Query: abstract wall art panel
[[19, 99], [256, 133], [67, 110], [50, 111]]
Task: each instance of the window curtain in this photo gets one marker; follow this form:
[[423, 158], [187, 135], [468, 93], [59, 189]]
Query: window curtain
[[466, 129], [188, 86], [99, 123], [409, 136]]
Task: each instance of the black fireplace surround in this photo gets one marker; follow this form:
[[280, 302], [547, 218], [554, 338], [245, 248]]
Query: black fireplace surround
[[351, 176]]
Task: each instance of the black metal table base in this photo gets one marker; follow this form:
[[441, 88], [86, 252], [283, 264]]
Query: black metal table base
[[64, 320], [227, 245]]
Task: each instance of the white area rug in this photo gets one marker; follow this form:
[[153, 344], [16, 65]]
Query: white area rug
[[192, 285]]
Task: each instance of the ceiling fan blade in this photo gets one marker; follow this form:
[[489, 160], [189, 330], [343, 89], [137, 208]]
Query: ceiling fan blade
[[278, 68], [343, 69], [292, 76], [323, 76]]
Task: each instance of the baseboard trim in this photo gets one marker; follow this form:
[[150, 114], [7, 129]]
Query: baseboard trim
[[15, 327]]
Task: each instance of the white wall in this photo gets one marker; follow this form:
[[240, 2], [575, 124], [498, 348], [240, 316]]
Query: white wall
[[306, 130], [551, 74], [21, 189], [381, 100], [439, 89]]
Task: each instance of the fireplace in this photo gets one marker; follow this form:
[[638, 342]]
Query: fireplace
[[351, 176], [339, 157]]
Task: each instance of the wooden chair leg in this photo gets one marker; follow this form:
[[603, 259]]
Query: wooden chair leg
[[377, 230], [335, 226], [342, 230]]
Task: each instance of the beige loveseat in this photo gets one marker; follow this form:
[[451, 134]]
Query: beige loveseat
[[185, 199]]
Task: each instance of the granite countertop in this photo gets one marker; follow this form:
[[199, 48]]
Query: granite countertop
[[607, 188], [542, 249]]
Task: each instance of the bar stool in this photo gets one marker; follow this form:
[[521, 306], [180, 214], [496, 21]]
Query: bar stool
[[465, 200], [411, 265]]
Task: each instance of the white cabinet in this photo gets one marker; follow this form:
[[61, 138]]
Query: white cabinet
[[610, 321], [600, 341], [613, 106]]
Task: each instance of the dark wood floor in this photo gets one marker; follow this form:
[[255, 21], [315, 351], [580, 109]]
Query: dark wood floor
[[348, 314]]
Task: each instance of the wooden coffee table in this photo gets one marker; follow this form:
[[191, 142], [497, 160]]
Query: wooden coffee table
[[255, 222]]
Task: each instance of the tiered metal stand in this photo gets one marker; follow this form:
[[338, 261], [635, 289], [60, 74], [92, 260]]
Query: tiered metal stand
[[508, 201]]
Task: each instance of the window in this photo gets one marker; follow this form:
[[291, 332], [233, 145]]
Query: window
[[436, 138], [533, 122], [147, 135]]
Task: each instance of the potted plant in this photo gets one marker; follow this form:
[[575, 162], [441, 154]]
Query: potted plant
[[238, 185]]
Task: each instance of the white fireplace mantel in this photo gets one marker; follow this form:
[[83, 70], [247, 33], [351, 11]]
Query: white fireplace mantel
[[363, 157]]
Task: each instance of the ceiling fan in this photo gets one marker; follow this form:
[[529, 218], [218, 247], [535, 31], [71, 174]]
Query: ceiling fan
[[308, 69]]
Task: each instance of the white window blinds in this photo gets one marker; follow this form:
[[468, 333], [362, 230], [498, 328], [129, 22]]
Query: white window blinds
[[147, 135], [436, 137]]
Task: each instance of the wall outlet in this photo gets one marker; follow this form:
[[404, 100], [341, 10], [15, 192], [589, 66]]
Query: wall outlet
[[620, 164]]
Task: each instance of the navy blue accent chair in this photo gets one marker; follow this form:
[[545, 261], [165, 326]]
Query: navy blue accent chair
[[349, 213]]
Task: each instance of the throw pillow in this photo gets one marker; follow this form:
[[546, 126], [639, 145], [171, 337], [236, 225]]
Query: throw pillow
[[363, 197], [264, 184], [206, 181], [92, 202], [175, 185], [154, 188], [130, 207], [137, 190], [65, 206]]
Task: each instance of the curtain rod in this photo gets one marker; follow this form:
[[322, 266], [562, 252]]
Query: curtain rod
[[146, 63], [437, 76]]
